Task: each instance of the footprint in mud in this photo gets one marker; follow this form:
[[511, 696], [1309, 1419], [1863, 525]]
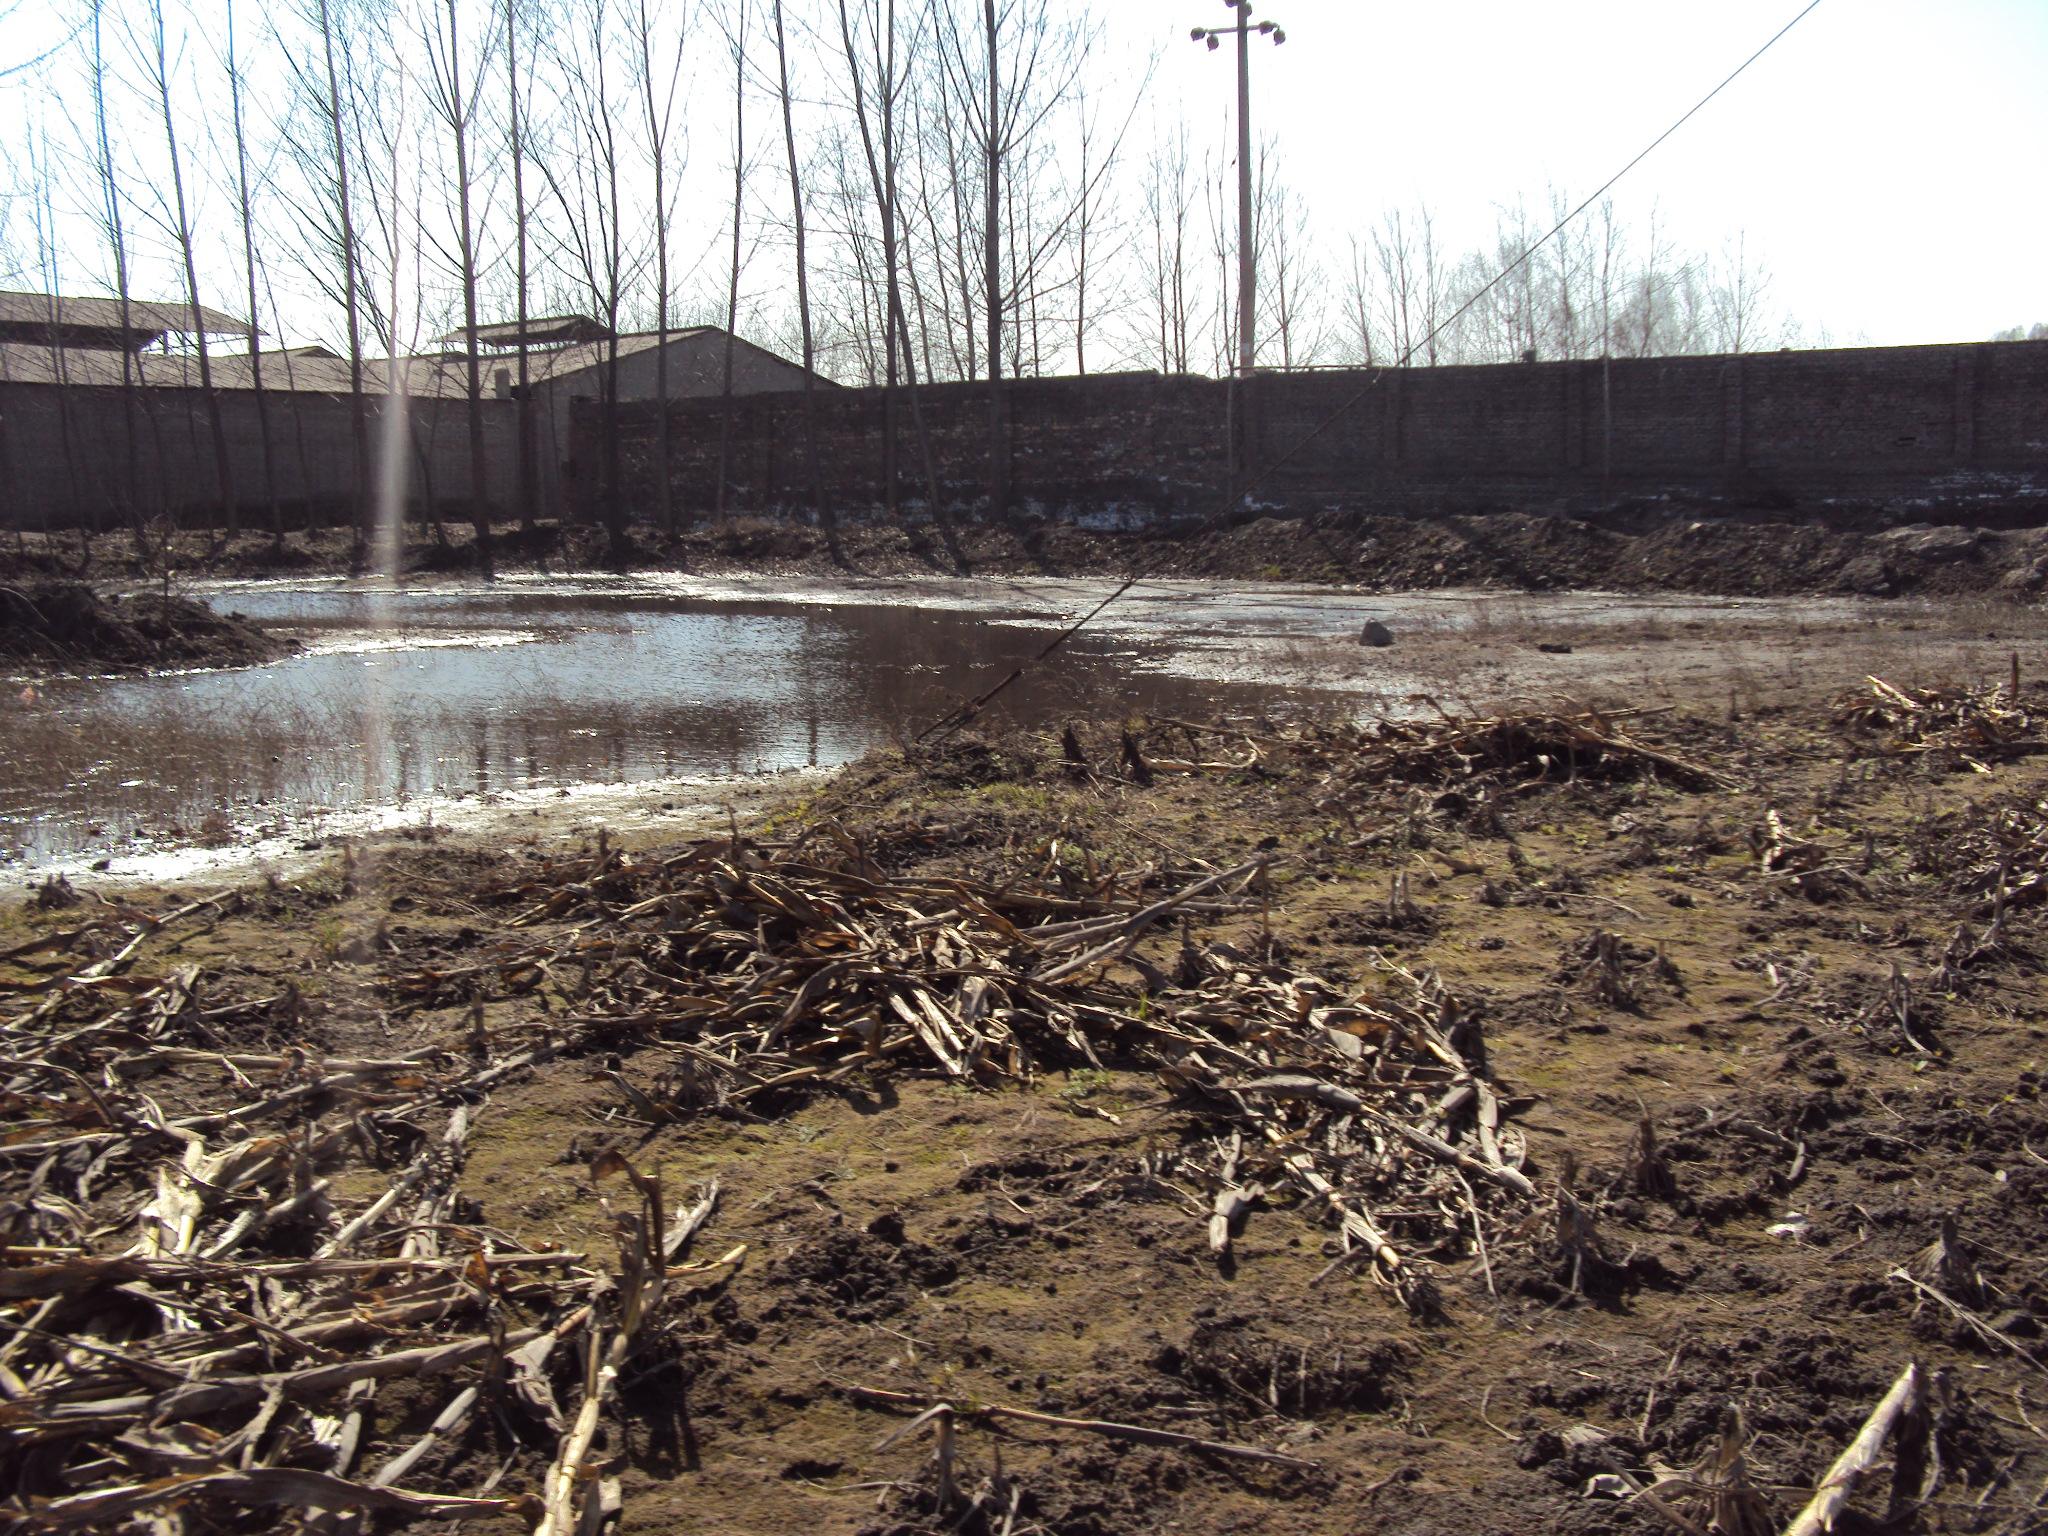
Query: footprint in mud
[[856, 1275], [1244, 1362]]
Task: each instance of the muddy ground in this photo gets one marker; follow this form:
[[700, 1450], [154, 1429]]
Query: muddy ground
[[70, 625], [1666, 549], [1790, 980]]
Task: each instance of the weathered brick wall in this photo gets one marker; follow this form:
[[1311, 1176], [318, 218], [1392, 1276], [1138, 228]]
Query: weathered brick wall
[[1911, 429], [64, 454]]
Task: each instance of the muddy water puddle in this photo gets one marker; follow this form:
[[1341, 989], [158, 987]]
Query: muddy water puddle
[[409, 698], [421, 700]]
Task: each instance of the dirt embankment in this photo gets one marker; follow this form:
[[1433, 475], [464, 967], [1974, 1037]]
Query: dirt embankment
[[1510, 1114], [1670, 550], [1667, 554], [70, 625]]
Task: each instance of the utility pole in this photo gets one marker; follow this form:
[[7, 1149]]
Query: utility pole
[[1247, 275], [1240, 432]]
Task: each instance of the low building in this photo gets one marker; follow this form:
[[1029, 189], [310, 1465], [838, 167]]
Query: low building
[[567, 355], [106, 325], [103, 410], [570, 358]]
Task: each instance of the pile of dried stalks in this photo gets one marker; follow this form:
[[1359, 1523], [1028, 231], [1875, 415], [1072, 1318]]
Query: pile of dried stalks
[[1480, 762], [1968, 727], [201, 1317], [195, 1317], [1488, 761], [1515, 748], [762, 972]]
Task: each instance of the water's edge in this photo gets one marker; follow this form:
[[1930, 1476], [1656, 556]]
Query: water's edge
[[438, 702]]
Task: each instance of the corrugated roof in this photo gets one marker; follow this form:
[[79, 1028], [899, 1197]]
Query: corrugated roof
[[540, 330], [312, 370], [105, 314], [560, 361], [315, 369]]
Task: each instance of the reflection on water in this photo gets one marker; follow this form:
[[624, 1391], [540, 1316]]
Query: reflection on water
[[607, 689]]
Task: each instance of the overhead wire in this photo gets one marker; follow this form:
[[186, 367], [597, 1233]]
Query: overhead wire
[[969, 710]]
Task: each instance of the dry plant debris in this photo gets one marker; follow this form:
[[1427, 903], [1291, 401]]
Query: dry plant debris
[[207, 1320], [223, 1267], [1967, 727], [198, 1319], [771, 970]]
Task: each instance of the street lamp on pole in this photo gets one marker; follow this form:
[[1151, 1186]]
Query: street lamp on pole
[[1246, 275]]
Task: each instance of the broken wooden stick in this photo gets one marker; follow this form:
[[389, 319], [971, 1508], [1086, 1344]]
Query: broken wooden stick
[[570, 1485], [1330, 1096], [260, 1485], [1860, 1455]]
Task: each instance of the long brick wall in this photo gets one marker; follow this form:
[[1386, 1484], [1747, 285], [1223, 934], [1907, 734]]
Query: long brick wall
[[65, 455], [1903, 430]]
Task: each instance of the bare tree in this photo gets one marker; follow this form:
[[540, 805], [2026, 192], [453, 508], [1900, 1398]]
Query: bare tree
[[584, 178], [1293, 300], [881, 40], [1358, 314], [737, 37], [233, 61], [657, 81], [113, 229], [1563, 277], [150, 42], [49, 261], [1091, 201], [329, 216], [1000, 113], [1400, 308], [395, 427], [453, 99], [1644, 301], [821, 508], [1610, 257], [939, 239], [1739, 296], [891, 57], [1435, 276], [850, 314], [1169, 205], [528, 493], [1219, 324], [945, 299]]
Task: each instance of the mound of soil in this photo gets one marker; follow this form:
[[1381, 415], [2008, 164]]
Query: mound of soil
[[1671, 553], [69, 623], [1668, 550], [1664, 548]]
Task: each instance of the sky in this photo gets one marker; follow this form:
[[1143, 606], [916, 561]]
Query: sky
[[1887, 159], [1884, 161]]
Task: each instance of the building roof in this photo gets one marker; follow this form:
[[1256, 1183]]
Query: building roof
[[317, 370], [558, 362], [565, 362], [100, 314], [540, 330], [306, 369]]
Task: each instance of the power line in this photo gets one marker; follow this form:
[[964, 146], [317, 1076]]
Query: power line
[[968, 711], [1523, 260]]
